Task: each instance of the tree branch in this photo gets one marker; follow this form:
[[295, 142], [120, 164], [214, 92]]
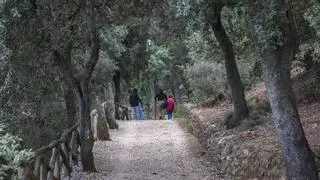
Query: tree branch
[[94, 41]]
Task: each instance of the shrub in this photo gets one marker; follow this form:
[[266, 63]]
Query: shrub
[[257, 110], [207, 79], [179, 112], [11, 155]]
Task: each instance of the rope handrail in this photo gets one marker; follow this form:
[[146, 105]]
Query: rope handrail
[[64, 153]]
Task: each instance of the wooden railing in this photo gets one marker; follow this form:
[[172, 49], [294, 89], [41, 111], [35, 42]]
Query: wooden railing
[[63, 153]]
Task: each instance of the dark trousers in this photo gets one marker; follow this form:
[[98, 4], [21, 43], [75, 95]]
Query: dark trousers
[[170, 114]]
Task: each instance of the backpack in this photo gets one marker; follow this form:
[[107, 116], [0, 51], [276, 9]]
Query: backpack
[[164, 105]]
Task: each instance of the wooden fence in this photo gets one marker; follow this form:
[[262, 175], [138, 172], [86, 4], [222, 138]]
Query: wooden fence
[[63, 153]]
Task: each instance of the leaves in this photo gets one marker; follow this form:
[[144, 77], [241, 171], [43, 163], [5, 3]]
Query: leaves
[[11, 154], [312, 15]]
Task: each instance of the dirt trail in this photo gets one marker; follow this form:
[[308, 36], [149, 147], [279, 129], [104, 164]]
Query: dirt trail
[[150, 150]]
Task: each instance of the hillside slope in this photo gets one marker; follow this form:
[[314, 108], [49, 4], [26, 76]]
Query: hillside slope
[[251, 151]]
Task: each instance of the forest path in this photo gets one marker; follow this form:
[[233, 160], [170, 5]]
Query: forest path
[[150, 150]]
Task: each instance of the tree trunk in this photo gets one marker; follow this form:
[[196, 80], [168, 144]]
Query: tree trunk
[[152, 102], [276, 62], [237, 90], [99, 123], [116, 82], [81, 85], [298, 157], [71, 106], [109, 110], [86, 135]]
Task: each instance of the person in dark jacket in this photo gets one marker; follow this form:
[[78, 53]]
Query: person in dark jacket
[[135, 103], [160, 100]]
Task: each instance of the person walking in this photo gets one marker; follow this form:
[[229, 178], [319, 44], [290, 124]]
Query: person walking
[[135, 102], [170, 107], [160, 100]]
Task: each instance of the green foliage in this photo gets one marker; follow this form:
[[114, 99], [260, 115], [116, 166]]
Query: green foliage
[[238, 28], [11, 154], [111, 51], [142, 84], [203, 47], [313, 17], [182, 51], [112, 37], [159, 69], [159, 62], [179, 111], [266, 27], [208, 77], [311, 46], [206, 72]]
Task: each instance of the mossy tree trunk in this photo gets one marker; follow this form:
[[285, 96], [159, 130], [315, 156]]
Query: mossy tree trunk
[[276, 57]]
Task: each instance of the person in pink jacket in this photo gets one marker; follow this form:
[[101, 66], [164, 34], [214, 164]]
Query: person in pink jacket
[[170, 107]]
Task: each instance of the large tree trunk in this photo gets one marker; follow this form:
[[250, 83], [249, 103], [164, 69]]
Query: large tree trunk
[[297, 154], [276, 62], [237, 90], [71, 105], [116, 82], [86, 135], [81, 85]]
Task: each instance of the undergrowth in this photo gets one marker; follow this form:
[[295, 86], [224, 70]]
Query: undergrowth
[[257, 111], [181, 117]]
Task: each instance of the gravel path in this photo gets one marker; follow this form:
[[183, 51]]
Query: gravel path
[[150, 150]]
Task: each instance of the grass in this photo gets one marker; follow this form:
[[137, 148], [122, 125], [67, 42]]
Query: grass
[[179, 112], [181, 117]]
